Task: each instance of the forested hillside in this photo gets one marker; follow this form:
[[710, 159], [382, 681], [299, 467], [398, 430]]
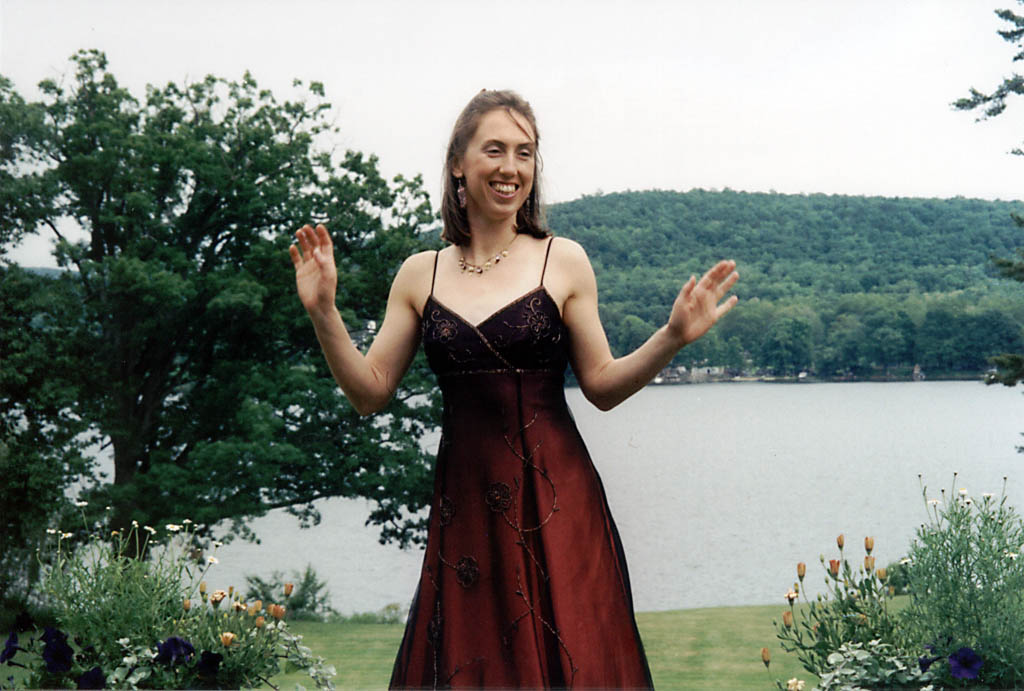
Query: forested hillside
[[835, 285]]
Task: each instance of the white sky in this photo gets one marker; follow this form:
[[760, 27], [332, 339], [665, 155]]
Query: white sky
[[797, 96]]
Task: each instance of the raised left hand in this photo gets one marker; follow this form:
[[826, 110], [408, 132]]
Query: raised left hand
[[698, 305]]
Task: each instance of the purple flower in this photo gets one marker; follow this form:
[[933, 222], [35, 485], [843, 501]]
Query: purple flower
[[10, 649], [93, 679], [174, 649], [965, 664], [57, 654], [925, 662]]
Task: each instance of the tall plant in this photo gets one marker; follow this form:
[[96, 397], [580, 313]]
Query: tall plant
[[966, 583], [180, 346]]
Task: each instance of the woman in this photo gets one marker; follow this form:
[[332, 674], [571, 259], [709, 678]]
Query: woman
[[524, 583]]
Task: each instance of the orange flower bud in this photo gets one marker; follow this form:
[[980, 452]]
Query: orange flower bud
[[227, 638], [278, 612], [260, 621], [787, 619], [202, 587], [882, 573], [869, 544], [258, 605], [288, 587], [238, 606], [833, 567], [869, 564], [187, 604], [801, 570], [796, 587], [892, 590], [791, 597], [841, 540], [766, 657], [231, 590]]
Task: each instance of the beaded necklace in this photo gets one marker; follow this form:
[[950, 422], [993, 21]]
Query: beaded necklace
[[469, 267]]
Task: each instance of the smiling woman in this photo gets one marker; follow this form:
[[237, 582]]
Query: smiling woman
[[524, 583]]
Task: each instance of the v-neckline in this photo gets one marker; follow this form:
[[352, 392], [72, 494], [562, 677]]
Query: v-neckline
[[538, 289]]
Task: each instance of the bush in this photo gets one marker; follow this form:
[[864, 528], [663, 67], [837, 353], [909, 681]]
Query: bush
[[966, 583], [392, 613], [898, 579], [874, 665], [963, 624], [148, 622], [307, 596], [855, 609]]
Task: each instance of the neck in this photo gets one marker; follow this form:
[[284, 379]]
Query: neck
[[487, 238]]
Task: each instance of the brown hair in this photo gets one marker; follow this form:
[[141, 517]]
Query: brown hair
[[529, 217]]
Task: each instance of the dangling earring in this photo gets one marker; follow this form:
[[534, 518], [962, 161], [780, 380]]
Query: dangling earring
[[460, 191]]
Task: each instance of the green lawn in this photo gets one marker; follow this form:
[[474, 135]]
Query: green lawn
[[718, 648]]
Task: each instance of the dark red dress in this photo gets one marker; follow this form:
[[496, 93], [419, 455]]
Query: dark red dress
[[524, 584]]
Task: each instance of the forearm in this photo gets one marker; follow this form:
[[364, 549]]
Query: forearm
[[365, 386], [620, 378]]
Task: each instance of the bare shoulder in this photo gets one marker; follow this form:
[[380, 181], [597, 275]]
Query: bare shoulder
[[569, 273], [412, 282], [569, 255]]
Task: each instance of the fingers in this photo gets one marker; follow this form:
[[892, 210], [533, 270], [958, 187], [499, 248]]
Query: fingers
[[720, 278], [324, 238], [310, 240], [725, 307], [730, 280], [688, 286], [718, 272], [293, 252]]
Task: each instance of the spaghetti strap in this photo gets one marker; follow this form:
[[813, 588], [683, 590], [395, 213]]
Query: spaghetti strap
[[546, 255], [433, 276]]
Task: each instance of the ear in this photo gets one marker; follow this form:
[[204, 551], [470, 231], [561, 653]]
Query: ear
[[457, 168]]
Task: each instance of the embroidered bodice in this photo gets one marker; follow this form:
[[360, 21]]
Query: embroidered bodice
[[525, 335]]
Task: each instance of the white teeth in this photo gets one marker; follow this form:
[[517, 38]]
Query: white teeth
[[504, 188]]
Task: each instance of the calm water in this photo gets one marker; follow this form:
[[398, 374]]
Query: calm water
[[720, 489]]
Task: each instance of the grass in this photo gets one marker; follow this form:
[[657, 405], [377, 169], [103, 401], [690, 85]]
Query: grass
[[717, 648]]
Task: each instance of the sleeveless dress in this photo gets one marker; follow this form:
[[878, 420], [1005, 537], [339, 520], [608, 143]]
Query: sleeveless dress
[[524, 583]]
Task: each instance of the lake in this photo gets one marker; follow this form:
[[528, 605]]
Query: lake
[[719, 490]]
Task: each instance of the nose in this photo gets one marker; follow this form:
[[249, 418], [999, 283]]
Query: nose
[[507, 164]]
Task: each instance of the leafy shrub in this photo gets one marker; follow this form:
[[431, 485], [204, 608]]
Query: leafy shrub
[[307, 596], [898, 579], [147, 622], [964, 621], [392, 613], [873, 665], [966, 583], [855, 609]]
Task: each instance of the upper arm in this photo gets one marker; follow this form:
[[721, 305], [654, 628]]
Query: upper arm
[[589, 352], [398, 337]]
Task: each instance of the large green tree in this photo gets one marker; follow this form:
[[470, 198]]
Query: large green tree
[[1010, 366], [173, 340]]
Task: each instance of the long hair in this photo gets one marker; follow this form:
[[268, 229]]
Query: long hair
[[530, 216]]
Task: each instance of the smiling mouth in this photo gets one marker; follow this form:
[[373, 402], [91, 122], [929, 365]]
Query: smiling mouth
[[505, 189]]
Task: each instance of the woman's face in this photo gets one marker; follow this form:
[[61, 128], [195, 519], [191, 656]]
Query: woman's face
[[498, 165]]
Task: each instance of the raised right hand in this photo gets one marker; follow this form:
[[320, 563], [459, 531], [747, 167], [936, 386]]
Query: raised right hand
[[316, 276]]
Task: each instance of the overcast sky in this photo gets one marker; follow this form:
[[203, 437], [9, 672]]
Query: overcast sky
[[787, 95]]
